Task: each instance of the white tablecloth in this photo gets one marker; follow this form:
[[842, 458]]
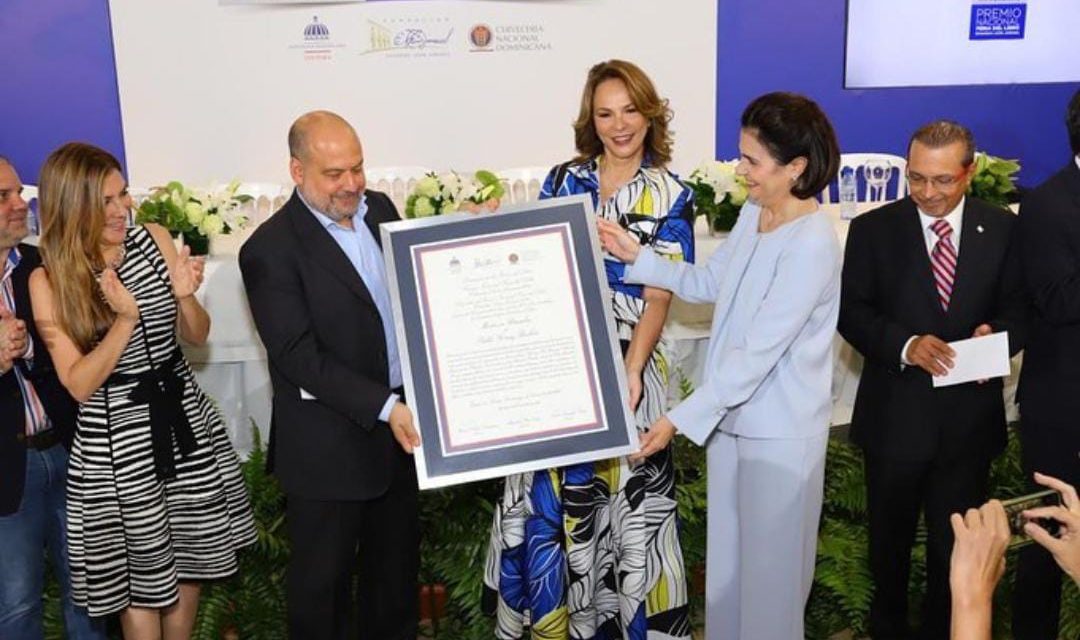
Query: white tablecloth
[[231, 366]]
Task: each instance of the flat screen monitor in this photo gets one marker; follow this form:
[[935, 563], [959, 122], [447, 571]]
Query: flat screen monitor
[[904, 43]]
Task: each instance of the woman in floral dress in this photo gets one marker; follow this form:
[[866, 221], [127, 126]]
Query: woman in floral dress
[[592, 550]]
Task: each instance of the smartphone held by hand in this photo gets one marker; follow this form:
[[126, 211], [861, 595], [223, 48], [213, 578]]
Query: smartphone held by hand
[[1014, 511]]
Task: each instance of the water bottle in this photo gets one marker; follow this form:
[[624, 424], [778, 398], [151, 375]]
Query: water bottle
[[848, 194]]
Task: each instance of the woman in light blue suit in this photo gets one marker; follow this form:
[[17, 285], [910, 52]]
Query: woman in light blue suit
[[763, 409]]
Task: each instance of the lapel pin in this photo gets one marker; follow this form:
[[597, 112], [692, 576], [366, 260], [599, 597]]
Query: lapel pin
[[979, 228]]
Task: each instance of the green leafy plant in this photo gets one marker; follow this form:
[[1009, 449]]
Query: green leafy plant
[[456, 525], [842, 589], [195, 214], [994, 179], [456, 522]]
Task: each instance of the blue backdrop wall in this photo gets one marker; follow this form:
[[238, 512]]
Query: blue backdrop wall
[[62, 85], [798, 45], [59, 80]]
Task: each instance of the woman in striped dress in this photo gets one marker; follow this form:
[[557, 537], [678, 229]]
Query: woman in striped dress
[[591, 551], [156, 502]]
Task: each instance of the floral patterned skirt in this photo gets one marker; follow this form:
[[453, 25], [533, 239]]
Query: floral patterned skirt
[[590, 551]]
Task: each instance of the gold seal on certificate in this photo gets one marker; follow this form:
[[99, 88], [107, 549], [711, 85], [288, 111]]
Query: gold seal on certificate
[[508, 347]]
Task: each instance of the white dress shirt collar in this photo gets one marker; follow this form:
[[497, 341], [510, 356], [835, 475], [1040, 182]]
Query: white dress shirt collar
[[955, 218]]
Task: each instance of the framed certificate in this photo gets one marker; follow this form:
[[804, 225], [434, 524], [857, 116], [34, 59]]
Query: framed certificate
[[508, 346]]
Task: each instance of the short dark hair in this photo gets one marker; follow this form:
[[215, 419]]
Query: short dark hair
[[1072, 123], [791, 126], [942, 133]]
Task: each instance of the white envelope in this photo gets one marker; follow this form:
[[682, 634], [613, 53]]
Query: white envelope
[[977, 359]]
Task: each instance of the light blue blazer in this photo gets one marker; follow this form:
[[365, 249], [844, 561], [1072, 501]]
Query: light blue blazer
[[768, 369]]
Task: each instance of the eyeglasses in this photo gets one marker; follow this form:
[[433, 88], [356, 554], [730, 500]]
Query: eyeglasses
[[941, 182]]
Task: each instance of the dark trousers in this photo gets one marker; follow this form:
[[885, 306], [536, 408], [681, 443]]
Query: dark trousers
[[1037, 590], [896, 492], [380, 538]]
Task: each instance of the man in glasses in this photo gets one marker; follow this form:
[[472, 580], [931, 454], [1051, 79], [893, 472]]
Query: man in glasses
[[934, 267], [1049, 234]]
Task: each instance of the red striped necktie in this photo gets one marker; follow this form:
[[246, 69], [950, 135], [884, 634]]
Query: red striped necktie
[[943, 261]]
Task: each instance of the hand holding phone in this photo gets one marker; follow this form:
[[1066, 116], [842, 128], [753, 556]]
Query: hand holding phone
[[1064, 542], [1021, 510]]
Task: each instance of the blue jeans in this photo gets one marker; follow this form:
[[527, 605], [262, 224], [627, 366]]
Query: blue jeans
[[39, 524]]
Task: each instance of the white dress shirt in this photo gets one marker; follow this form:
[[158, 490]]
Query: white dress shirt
[[955, 218]]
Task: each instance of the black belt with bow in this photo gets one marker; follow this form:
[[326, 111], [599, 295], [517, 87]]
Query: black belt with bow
[[163, 390]]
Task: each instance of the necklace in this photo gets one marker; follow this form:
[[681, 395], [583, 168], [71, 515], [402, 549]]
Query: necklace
[[118, 260]]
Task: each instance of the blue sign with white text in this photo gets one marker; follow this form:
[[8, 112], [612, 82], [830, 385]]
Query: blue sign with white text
[[998, 21]]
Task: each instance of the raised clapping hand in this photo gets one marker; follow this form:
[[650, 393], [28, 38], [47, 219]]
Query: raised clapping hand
[[117, 296], [401, 424], [186, 273], [13, 341], [1066, 548], [617, 241]]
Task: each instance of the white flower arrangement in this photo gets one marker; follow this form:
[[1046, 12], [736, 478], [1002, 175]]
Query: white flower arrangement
[[196, 214], [719, 192], [436, 194]]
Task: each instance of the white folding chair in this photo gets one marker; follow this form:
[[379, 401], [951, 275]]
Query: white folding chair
[[267, 197], [866, 190], [396, 182], [138, 194], [522, 183], [30, 195]]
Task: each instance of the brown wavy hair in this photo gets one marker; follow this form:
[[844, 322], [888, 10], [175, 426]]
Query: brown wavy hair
[[72, 205], [658, 139]]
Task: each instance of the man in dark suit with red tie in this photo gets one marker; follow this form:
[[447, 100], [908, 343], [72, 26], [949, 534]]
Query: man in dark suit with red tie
[[37, 423], [341, 437], [1049, 392], [918, 273]]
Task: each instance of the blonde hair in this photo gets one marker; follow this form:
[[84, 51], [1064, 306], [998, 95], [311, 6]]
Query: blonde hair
[[645, 98], [72, 205]]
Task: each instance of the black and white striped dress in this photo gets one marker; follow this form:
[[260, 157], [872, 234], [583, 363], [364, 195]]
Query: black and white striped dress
[[134, 530]]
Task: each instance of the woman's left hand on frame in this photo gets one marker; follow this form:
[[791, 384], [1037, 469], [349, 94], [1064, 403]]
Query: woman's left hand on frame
[[186, 273], [655, 439]]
